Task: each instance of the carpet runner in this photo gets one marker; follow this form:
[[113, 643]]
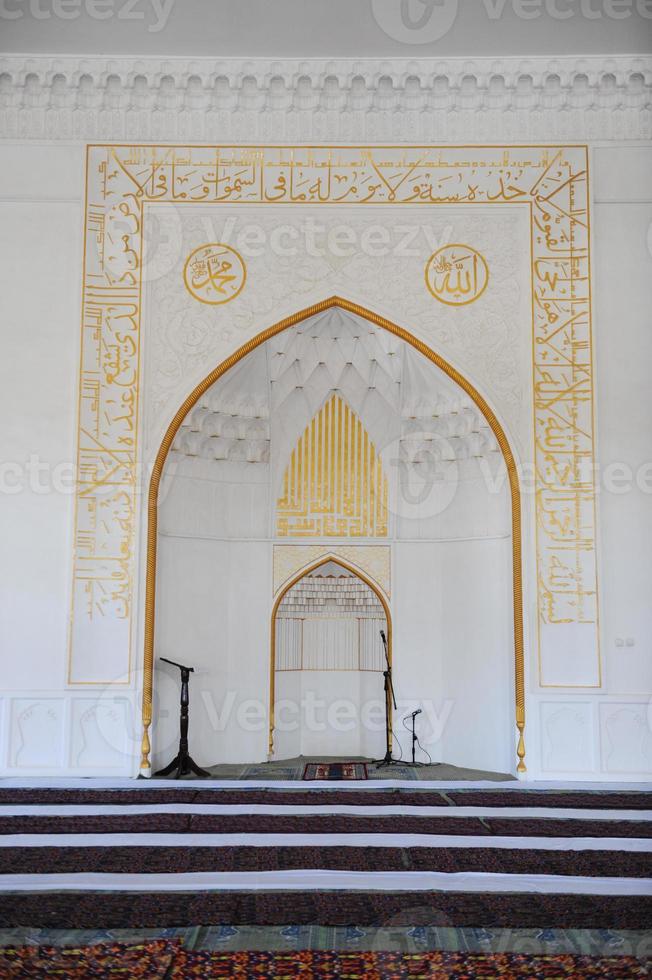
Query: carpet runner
[[160, 959], [338, 854]]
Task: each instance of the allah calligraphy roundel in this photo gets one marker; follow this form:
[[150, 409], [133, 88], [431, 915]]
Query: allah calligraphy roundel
[[214, 273], [456, 274]]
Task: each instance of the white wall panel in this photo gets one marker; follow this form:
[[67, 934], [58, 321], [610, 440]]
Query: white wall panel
[[626, 737], [37, 733], [101, 733], [70, 733], [567, 736], [39, 325]]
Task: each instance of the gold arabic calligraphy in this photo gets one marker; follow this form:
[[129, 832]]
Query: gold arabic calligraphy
[[214, 274], [456, 274]]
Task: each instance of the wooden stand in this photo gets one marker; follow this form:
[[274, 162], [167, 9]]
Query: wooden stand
[[183, 761]]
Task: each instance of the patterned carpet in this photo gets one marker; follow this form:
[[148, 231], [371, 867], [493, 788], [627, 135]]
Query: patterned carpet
[[161, 959], [335, 770]]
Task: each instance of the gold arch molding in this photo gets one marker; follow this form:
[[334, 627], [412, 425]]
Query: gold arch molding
[[285, 588], [210, 379]]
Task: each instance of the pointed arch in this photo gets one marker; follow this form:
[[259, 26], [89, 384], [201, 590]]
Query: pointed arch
[[221, 369], [285, 588]]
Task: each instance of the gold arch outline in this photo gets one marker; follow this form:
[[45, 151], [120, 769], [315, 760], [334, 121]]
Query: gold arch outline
[[210, 379], [323, 560]]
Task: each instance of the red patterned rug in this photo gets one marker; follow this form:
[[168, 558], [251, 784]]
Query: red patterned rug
[[161, 959], [150, 961], [335, 770], [311, 964]]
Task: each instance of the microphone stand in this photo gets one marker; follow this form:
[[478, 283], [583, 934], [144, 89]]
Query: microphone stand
[[414, 740], [390, 700], [183, 761]]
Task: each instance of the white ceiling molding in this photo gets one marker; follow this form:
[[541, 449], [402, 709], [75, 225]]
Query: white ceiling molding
[[207, 100]]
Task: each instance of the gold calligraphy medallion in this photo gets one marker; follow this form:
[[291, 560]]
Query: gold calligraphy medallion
[[456, 274], [214, 273]]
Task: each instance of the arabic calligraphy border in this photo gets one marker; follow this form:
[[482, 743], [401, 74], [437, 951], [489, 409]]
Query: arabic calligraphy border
[[448, 151]]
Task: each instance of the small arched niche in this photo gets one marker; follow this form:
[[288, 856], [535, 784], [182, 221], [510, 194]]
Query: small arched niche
[[328, 659]]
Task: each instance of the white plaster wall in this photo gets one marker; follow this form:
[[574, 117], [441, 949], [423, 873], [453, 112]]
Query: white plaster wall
[[39, 293], [478, 653], [214, 591], [454, 650], [608, 730], [309, 29], [418, 644], [341, 714], [623, 335], [213, 611], [46, 725]]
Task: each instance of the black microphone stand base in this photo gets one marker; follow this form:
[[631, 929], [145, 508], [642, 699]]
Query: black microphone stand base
[[185, 765], [388, 760]]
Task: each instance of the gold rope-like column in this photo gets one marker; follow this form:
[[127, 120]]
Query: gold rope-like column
[[202, 387]]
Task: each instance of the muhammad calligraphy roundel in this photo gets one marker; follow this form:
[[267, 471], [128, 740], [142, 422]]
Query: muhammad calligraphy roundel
[[456, 274], [214, 273]]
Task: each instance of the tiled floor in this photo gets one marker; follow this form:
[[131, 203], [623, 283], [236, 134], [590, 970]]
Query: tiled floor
[[595, 942]]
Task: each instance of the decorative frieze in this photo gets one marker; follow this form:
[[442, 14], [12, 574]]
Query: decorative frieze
[[206, 100]]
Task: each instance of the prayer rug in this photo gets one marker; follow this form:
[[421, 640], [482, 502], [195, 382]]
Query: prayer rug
[[151, 960], [335, 770], [162, 959], [312, 964]]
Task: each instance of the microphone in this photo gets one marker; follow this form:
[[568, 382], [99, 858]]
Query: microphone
[[175, 664], [417, 712], [382, 633]]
